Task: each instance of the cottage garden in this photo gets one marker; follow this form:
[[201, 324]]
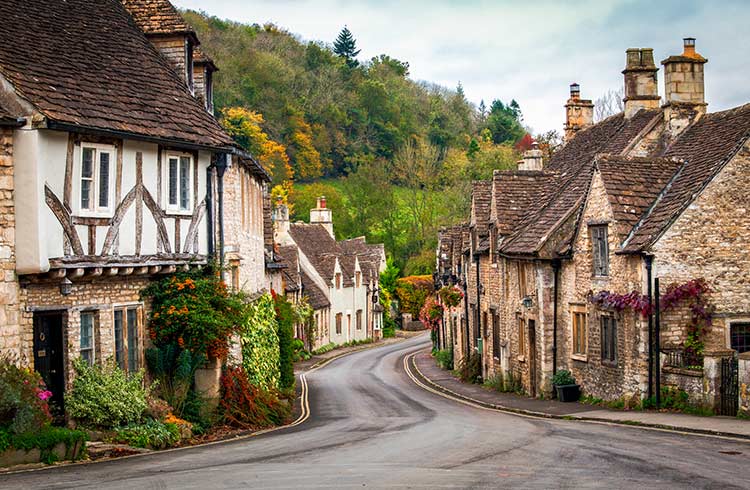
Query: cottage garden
[[195, 323]]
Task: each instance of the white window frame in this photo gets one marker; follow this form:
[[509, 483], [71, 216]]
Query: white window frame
[[177, 208], [95, 210]]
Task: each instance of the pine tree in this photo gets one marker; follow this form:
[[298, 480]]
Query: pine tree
[[346, 46]]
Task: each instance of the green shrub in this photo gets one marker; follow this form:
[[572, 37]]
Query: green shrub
[[260, 344], [470, 369], [563, 377], [444, 358], [44, 439], [151, 434], [504, 384], [674, 398], [324, 348], [285, 318], [173, 369], [105, 396], [23, 399]]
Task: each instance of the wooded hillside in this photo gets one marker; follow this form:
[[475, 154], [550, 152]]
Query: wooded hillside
[[394, 156]]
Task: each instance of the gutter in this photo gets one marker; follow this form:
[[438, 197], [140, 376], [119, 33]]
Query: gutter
[[11, 122]]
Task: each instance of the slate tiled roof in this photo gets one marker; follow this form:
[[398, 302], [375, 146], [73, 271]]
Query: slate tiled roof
[[318, 246], [575, 163], [85, 64], [632, 185], [481, 198], [517, 194], [157, 17], [706, 147], [315, 296], [370, 256], [289, 257]]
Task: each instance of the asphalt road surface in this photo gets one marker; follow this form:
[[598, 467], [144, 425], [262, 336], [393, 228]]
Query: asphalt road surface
[[371, 426]]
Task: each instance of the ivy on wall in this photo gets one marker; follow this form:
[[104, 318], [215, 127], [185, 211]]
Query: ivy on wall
[[260, 344]]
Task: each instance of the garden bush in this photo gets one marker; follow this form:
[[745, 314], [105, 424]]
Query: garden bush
[[23, 399], [470, 369], [444, 358], [260, 344], [173, 369], [44, 439], [324, 348], [247, 406], [151, 434], [105, 396]]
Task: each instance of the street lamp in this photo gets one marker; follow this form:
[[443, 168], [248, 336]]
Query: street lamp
[[527, 302]]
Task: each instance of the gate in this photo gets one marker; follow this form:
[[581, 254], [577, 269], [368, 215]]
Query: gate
[[729, 387]]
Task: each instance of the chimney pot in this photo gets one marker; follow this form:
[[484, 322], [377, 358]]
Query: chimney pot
[[575, 91], [323, 202], [579, 113]]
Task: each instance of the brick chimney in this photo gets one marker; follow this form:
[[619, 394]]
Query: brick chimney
[[532, 158], [684, 88], [321, 215], [641, 87], [579, 113]]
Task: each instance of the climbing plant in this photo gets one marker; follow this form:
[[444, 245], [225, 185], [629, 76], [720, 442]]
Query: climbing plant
[[260, 344]]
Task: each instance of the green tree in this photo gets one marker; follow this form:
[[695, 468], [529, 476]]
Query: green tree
[[346, 46]]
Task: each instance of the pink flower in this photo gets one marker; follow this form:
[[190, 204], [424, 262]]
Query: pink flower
[[44, 395]]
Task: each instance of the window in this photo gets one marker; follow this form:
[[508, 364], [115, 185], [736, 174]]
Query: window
[[349, 324], [609, 339], [496, 336], [739, 337], [179, 183], [235, 278], [252, 202], [189, 64], [600, 250], [484, 324], [209, 81], [523, 290], [359, 319], [95, 179], [87, 336], [579, 332], [493, 245], [127, 338], [338, 280], [339, 319], [358, 278], [521, 337]]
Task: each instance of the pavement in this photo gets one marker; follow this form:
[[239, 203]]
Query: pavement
[[444, 381], [370, 425]]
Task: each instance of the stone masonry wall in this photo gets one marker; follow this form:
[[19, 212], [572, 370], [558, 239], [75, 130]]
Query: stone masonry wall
[[597, 378], [10, 331], [710, 240], [100, 296]]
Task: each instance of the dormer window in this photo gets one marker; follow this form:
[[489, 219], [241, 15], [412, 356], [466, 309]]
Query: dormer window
[[95, 182], [178, 183]]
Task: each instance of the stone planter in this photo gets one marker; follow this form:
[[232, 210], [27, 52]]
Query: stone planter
[[568, 393], [61, 452]]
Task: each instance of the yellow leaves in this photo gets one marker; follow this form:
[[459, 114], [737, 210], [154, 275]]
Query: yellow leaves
[[306, 156]]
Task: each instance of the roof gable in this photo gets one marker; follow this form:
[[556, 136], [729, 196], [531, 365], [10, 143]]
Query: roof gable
[[85, 65]]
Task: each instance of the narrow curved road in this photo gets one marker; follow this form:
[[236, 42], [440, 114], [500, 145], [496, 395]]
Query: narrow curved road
[[371, 426]]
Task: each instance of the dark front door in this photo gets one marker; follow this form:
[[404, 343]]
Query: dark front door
[[48, 355], [532, 357]]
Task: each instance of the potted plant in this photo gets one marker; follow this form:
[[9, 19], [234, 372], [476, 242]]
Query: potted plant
[[566, 387]]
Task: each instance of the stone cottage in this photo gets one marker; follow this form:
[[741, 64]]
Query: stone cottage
[[576, 245], [114, 172], [339, 278]]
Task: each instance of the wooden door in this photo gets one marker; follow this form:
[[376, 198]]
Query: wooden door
[[48, 355]]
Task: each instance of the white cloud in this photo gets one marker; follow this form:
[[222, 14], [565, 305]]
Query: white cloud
[[529, 51]]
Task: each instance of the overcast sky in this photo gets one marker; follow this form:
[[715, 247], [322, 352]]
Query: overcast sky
[[526, 50]]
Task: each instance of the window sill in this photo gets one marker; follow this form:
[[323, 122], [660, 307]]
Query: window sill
[[87, 214], [173, 212], [521, 358], [580, 357]]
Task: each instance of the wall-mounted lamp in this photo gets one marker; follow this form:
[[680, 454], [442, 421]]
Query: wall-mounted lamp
[[66, 286]]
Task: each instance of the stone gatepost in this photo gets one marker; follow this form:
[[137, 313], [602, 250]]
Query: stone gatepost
[[712, 375], [208, 384], [744, 382]]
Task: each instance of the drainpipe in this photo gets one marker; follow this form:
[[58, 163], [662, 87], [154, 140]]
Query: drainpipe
[[221, 167], [210, 211], [556, 271], [657, 344], [649, 263]]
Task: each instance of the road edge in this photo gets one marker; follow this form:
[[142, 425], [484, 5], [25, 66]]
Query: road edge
[[451, 395]]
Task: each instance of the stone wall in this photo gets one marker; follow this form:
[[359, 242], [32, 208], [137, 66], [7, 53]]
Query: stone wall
[[710, 240], [601, 379], [100, 296], [10, 332]]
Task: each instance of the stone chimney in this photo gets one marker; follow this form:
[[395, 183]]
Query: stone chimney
[[321, 215], [280, 222], [641, 87], [532, 158], [684, 88], [579, 113]]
